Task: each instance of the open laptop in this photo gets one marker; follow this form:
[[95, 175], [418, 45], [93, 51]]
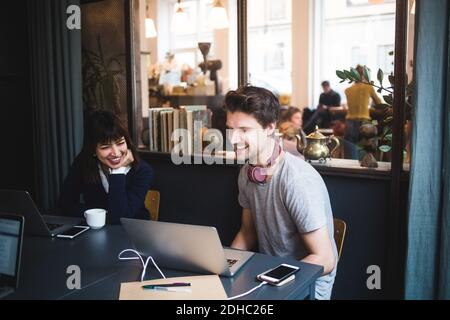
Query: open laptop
[[20, 202], [184, 247], [11, 236]]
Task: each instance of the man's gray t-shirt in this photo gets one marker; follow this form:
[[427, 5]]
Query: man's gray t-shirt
[[295, 201]]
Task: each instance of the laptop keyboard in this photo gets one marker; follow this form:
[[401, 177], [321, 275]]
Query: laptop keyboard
[[231, 262], [53, 226]]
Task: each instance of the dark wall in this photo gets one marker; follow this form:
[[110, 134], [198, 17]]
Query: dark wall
[[207, 195], [199, 194], [16, 131], [364, 206]]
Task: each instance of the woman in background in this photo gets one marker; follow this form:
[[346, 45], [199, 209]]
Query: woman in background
[[107, 173], [290, 126]]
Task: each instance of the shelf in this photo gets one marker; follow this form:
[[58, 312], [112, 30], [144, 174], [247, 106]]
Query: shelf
[[335, 167]]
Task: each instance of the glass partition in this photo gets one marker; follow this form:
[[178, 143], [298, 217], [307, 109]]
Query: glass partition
[[307, 52], [188, 62]]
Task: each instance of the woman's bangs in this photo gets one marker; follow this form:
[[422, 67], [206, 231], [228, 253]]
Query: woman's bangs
[[108, 135]]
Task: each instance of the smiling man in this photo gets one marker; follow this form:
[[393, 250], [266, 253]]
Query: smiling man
[[286, 207]]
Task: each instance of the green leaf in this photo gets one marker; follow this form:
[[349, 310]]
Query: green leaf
[[388, 137], [386, 131], [341, 75], [385, 149], [392, 80], [380, 76], [375, 122], [348, 75], [355, 74], [367, 74]]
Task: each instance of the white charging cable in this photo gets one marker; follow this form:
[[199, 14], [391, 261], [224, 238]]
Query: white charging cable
[[144, 264], [248, 292]]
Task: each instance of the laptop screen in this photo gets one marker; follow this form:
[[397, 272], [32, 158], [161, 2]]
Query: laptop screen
[[9, 246]]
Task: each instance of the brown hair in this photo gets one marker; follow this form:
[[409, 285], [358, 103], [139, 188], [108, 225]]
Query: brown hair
[[258, 102], [287, 114]]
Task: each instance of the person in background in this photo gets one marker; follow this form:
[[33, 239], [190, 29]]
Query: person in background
[[291, 125], [286, 206], [359, 96], [107, 173], [322, 116], [293, 115], [329, 98]]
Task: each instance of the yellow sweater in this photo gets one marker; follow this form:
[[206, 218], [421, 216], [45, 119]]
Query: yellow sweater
[[358, 99]]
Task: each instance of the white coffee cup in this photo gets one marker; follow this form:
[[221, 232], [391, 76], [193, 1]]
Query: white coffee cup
[[95, 218]]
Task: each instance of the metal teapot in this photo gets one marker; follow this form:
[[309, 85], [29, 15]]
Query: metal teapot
[[316, 147]]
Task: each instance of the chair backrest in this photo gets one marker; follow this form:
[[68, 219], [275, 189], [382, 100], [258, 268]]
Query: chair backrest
[[340, 229], [152, 204]]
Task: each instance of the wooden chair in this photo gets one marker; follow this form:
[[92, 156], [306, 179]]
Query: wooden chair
[[340, 229], [152, 204]]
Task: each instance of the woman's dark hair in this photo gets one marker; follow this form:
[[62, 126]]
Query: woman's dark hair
[[255, 101], [287, 114], [101, 127]]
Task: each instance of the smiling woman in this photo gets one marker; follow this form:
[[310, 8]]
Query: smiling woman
[[107, 172]]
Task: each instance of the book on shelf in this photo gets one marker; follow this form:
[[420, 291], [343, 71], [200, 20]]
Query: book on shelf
[[164, 121], [200, 114], [170, 126], [154, 126]]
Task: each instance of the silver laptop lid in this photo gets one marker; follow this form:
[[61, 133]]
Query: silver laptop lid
[[178, 246]]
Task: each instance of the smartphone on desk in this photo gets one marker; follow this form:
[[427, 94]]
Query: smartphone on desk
[[279, 275], [73, 232]]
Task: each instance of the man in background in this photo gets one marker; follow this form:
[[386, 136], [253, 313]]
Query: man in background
[[329, 98], [322, 116]]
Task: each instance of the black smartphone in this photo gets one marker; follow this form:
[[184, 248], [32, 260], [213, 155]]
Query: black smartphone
[[73, 232]]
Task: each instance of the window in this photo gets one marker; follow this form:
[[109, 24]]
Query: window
[[353, 36], [386, 58], [183, 43], [278, 10], [355, 3], [173, 70], [352, 33], [292, 47], [270, 44]]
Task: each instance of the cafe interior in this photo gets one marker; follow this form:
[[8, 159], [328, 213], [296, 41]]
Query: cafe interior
[[145, 60]]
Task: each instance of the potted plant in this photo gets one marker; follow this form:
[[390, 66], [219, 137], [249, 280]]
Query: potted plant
[[101, 77], [386, 108]]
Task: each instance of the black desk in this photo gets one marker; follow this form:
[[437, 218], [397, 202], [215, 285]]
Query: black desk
[[45, 262]]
